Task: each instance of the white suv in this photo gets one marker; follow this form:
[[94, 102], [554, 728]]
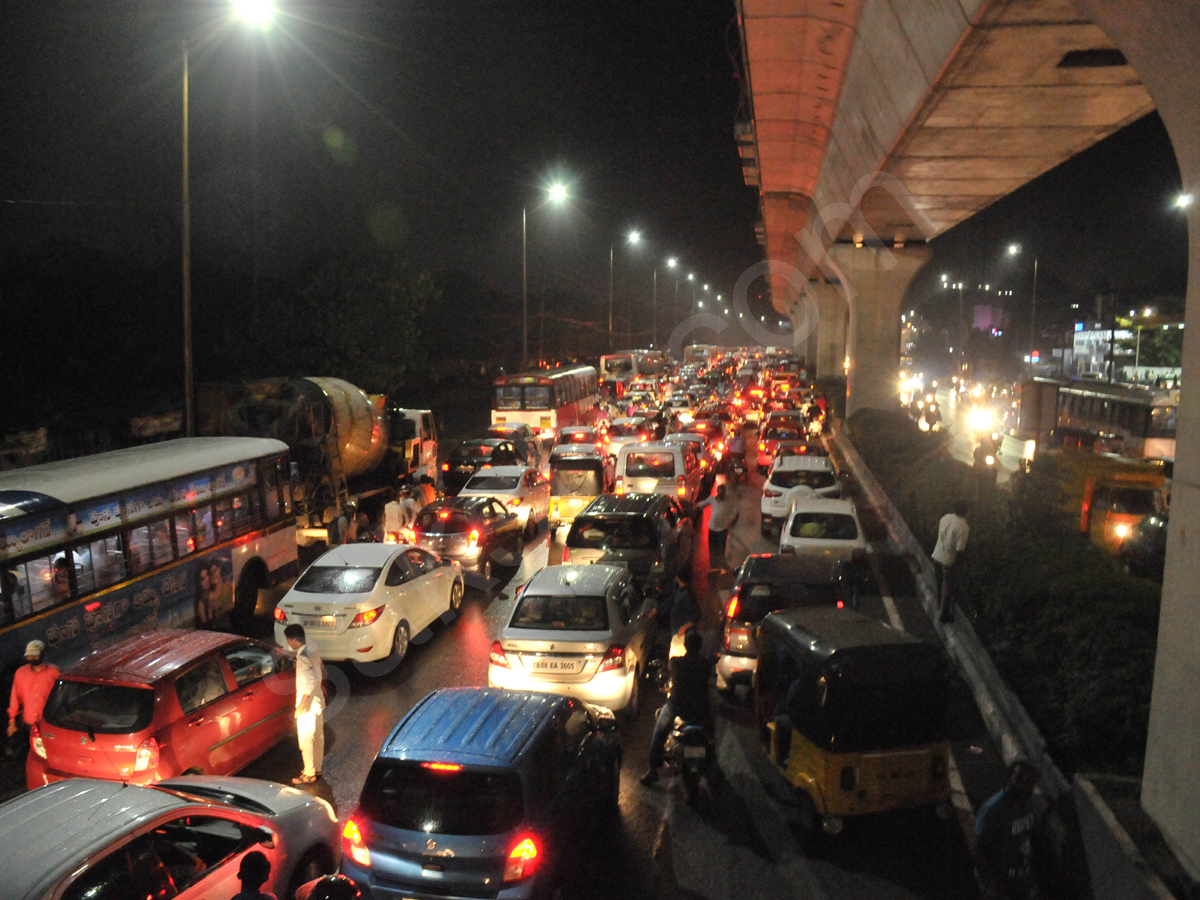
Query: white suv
[[791, 478]]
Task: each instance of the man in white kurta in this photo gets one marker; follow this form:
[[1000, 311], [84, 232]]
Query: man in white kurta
[[310, 704]]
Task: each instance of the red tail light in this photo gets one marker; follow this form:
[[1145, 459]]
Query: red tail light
[[147, 756], [614, 658], [367, 617], [35, 741], [392, 537], [841, 604], [473, 539], [515, 501], [731, 610], [771, 495], [441, 767], [497, 656], [280, 615], [353, 846], [522, 859], [445, 467], [762, 445], [566, 560]]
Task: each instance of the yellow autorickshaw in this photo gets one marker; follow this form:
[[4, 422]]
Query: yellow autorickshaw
[[578, 474], [853, 712]]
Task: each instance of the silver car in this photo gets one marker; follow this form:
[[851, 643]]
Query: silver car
[[578, 631], [183, 838]]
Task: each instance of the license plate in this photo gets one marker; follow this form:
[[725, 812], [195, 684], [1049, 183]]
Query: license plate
[[319, 621], [694, 752], [558, 666]]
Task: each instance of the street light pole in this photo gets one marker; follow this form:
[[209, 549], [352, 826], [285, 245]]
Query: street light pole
[[962, 349], [654, 307], [524, 296], [189, 420], [610, 295], [1033, 315]]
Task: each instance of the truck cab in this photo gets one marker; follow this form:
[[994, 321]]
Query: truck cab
[[412, 439]]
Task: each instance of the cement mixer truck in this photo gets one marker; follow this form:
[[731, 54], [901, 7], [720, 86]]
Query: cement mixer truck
[[346, 445]]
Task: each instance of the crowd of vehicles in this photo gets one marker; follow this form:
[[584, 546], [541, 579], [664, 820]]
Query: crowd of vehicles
[[486, 786]]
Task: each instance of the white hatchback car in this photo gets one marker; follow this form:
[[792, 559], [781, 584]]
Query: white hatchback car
[[580, 631], [817, 526], [522, 489], [791, 478], [364, 602]]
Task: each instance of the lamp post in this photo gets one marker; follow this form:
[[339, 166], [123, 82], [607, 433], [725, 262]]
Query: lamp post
[[260, 14], [1014, 250], [556, 193], [633, 238]]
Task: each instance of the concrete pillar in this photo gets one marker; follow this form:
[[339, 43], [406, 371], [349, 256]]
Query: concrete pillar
[[875, 279], [833, 318], [1159, 38]]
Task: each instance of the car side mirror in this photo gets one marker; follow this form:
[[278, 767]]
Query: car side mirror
[[265, 837]]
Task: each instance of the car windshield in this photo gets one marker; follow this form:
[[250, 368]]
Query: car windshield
[[615, 364], [824, 526], [790, 478], [1133, 502], [561, 613], [99, 708], [624, 430], [492, 483], [781, 434], [443, 521], [642, 464], [756, 601], [337, 580], [576, 437], [583, 478], [617, 532], [473, 450], [410, 796]]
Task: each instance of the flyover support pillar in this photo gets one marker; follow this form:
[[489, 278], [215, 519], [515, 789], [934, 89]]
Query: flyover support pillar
[[832, 319], [1159, 38], [874, 281]]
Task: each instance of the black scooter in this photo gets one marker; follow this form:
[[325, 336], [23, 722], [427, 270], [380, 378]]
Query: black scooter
[[690, 751]]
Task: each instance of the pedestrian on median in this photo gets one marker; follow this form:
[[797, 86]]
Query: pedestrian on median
[[310, 704], [31, 686], [1004, 838], [953, 531], [724, 516]]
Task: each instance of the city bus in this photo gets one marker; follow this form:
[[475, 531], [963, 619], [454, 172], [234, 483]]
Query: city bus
[[617, 370], [177, 534], [1130, 420], [547, 400]]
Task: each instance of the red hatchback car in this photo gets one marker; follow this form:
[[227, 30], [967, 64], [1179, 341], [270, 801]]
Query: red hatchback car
[[162, 704]]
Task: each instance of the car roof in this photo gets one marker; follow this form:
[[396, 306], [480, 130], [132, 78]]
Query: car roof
[[470, 725], [516, 471], [650, 445], [804, 461], [374, 555], [775, 568], [628, 420], [488, 441], [588, 451], [575, 581], [824, 504], [509, 426], [46, 833], [622, 504], [147, 658], [469, 503]]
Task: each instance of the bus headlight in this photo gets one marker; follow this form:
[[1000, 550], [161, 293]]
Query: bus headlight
[[1121, 531]]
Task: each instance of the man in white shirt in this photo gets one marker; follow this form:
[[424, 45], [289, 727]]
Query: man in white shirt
[[310, 704], [724, 516], [953, 531], [400, 513]]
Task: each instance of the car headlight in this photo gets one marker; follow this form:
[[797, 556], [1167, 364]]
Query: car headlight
[[1121, 530]]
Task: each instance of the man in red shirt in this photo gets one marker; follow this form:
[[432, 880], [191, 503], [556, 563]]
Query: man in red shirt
[[31, 686]]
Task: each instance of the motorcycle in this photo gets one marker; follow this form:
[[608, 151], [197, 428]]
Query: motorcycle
[[737, 468], [691, 752]]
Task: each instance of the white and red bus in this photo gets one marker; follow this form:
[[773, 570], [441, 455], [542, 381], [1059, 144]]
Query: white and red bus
[[547, 400], [617, 370]]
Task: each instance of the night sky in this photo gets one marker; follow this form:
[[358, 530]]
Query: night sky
[[428, 125]]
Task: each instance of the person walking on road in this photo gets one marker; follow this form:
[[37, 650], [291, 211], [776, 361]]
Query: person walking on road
[[953, 531], [723, 517], [675, 613], [400, 513], [31, 686], [1004, 838], [310, 704]]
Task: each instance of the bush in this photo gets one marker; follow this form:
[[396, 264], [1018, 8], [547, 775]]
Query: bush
[[1072, 635]]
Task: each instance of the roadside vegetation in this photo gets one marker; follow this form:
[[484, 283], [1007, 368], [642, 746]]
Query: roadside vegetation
[[1070, 632]]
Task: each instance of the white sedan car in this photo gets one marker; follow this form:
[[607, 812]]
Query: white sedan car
[[817, 526], [522, 489], [365, 602]]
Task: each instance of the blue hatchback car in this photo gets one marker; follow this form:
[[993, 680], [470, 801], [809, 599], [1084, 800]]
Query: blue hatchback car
[[479, 792]]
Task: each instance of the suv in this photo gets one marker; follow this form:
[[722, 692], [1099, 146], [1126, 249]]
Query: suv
[[182, 838], [764, 584], [163, 703], [483, 793], [475, 531], [792, 477], [639, 531], [660, 468]]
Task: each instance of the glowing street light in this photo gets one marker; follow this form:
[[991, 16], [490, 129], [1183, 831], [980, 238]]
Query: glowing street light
[[256, 13], [557, 193], [1183, 201]]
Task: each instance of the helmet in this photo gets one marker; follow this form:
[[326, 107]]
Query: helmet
[[329, 887]]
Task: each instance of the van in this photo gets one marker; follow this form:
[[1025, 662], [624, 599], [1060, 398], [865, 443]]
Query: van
[[660, 468], [483, 792]]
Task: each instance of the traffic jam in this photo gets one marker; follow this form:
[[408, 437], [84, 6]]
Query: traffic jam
[[575, 544]]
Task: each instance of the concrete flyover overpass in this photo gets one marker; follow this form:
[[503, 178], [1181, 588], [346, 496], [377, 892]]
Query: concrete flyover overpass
[[872, 126]]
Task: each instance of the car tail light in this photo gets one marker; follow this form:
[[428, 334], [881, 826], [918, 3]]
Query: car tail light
[[732, 609], [367, 617], [566, 559], [841, 604], [720, 446], [35, 741], [522, 859], [614, 658], [445, 467], [280, 615], [392, 537], [770, 494], [497, 656], [704, 463], [473, 539], [762, 445], [147, 756], [353, 846], [619, 487], [441, 767], [937, 767], [682, 485]]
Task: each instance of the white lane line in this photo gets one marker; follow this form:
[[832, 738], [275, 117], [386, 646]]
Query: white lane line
[[889, 603]]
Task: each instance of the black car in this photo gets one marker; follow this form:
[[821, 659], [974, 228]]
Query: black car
[[1144, 552], [638, 531], [481, 792], [476, 531], [766, 583], [471, 456]]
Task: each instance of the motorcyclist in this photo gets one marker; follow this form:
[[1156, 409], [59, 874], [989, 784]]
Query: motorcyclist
[[737, 451], [687, 699], [675, 613]]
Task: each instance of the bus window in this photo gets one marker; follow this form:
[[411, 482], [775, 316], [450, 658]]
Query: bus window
[[103, 565], [537, 397], [508, 397], [245, 512], [271, 491], [224, 519], [160, 543], [49, 583], [14, 594]]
